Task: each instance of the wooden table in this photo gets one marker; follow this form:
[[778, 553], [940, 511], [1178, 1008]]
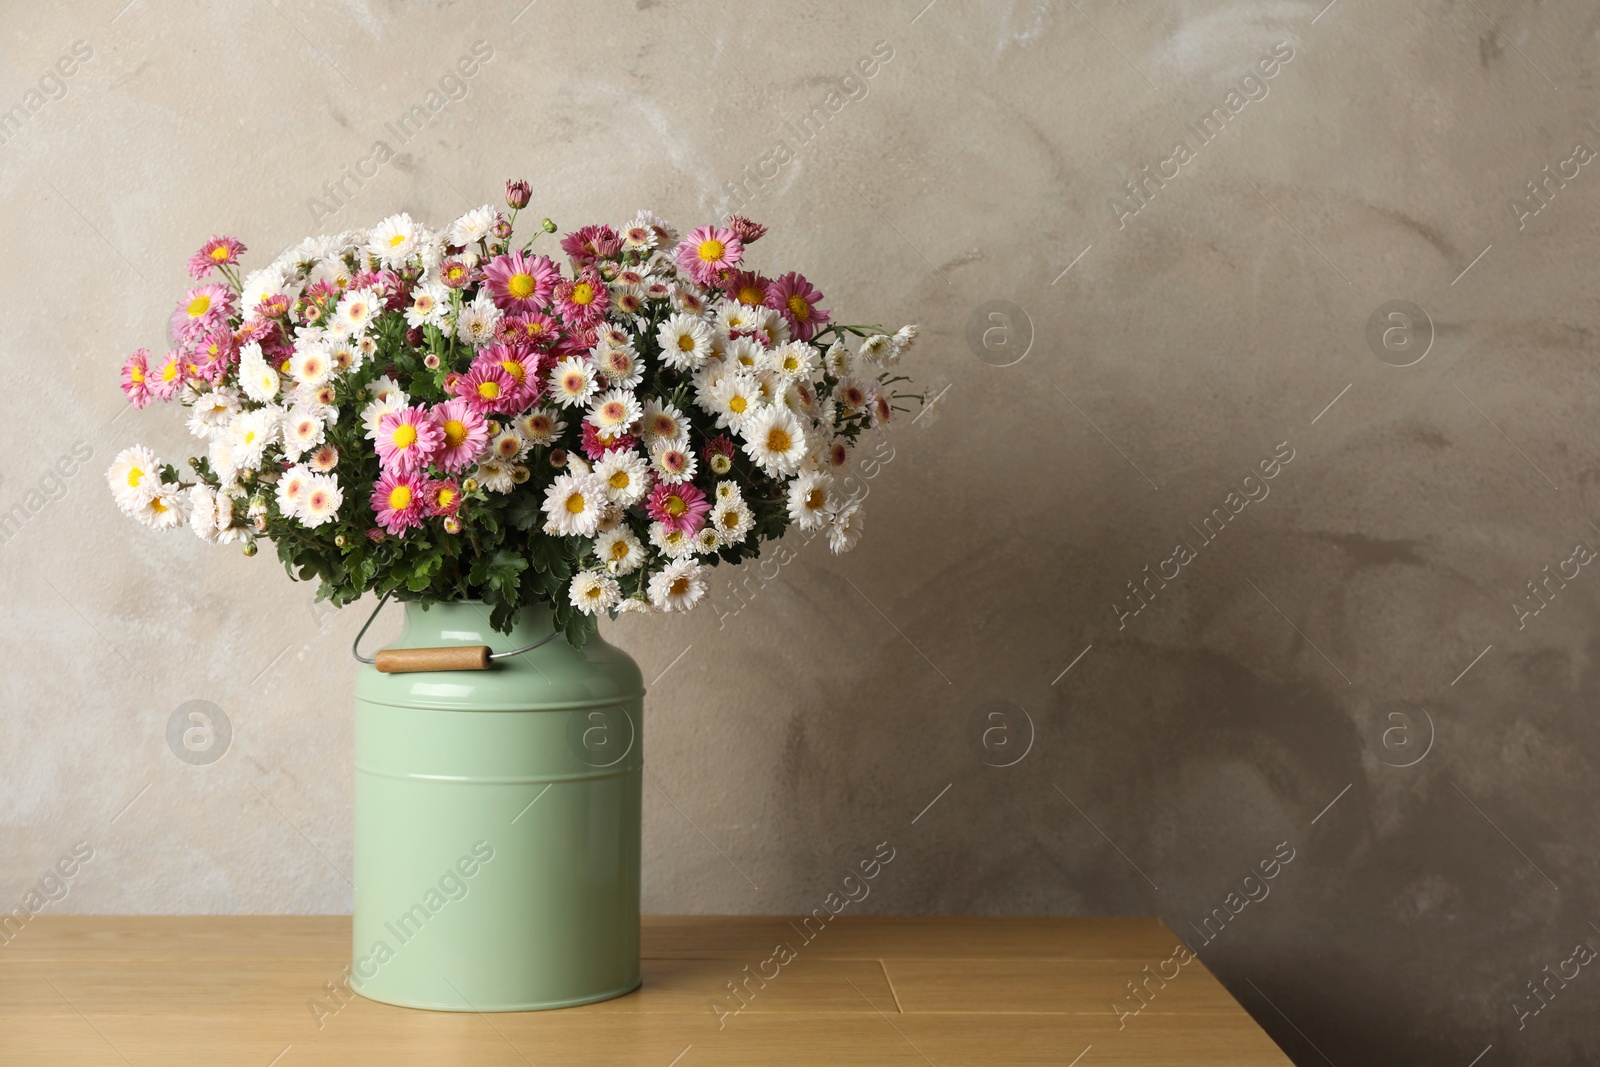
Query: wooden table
[[221, 990]]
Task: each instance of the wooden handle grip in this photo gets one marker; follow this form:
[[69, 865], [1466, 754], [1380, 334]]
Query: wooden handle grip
[[454, 658]]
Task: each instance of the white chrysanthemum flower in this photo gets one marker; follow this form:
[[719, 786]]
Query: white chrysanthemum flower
[[794, 361], [429, 303], [747, 352], [613, 412], [291, 490], [707, 541], [354, 313], [220, 455], [592, 592], [661, 420], [311, 364], [672, 461], [572, 382], [495, 476], [507, 446], [877, 346], [477, 320], [373, 413], [303, 430], [837, 360], [770, 323], [670, 543], [845, 529], [775, 440], [736, 399], [395, 240], [540, 426], [472, 227], [811, 500], [332, 270], [203, 512], [686, 297], [342, 355], [854, 394], [259, 380], [679, 586], [322, 499], [733, 521], [384, 387], [620, 364], [164, 510], [250, 433], [838, 455], [624, 475], [134, 477], [903, 339], [726, 491], [734, 317], [212, 411], [619, 550], [573, 505], [685, 342]]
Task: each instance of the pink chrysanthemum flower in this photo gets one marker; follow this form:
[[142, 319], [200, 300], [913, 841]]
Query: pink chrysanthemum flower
[[748, 232], [210, 357], [521, 283], [591, 243], [595, 444], [443, 497], [487, 387], [166, 379], [397, 501], [202, 309], [465, 432], [523, 366], [681, 508], [136, 378], [747, 287], [455, 274], [534, 329], [583, 300], [708, 250], [797, 299], [407, 439], [217, 252]]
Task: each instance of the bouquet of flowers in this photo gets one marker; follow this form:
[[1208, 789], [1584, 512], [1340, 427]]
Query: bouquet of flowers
[[449, 415]]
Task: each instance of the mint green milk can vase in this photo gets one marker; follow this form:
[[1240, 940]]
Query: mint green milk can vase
[[497, 817]]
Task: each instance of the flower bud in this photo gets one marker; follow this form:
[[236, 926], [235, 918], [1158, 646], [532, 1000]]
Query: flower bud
[[452, 525], [502, 228], [431, 361], [340, 540], [518, 193], [249, 548], [549, 227], [469, 485], [414, 336]]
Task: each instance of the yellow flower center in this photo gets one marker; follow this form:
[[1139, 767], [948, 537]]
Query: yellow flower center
[[489, 390], [514, 368], [778, 440], [455, 432], [397, 240], [686, 343], [738, 404], [170, 371], [799, 308], [520, 286], [249, 437], [679, 587], [220, 253], [136, 374], [675, 506], [576, 504], [710, 251], [619, 550], [405, 435], [400, 498], [620, 480], [446, 496], [749, 294], [158, 507], [815, 498], [456, 273], [583, 293], [135, 476], [199, 306]]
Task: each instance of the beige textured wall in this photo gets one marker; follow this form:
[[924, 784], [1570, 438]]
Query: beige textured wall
[[1312, 655]]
